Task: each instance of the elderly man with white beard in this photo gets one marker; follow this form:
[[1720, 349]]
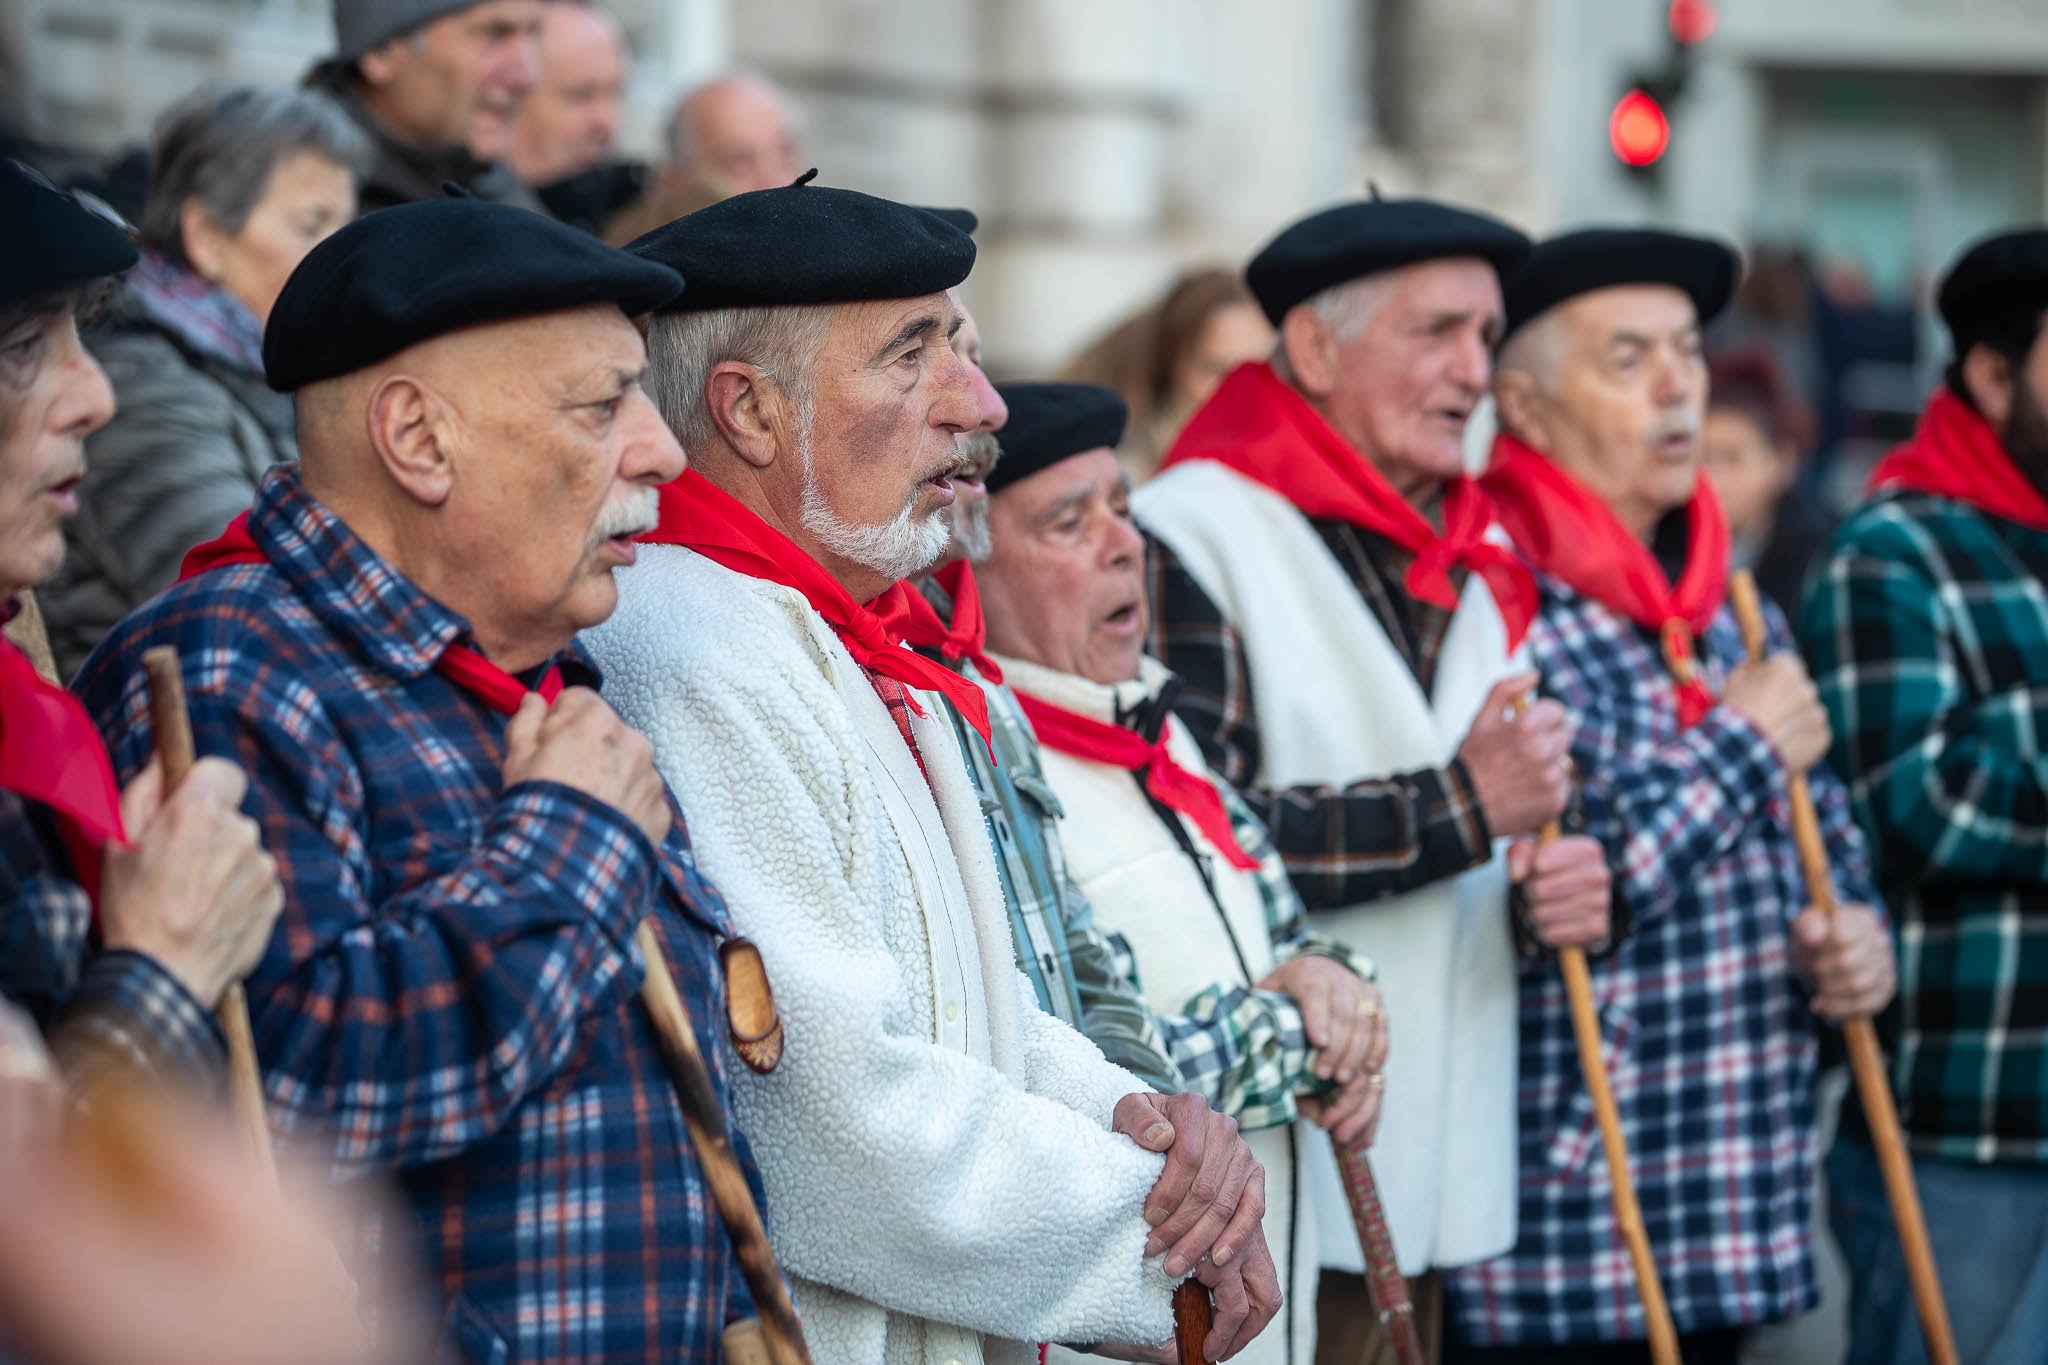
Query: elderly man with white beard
[[1074, 970], [952, 1174]]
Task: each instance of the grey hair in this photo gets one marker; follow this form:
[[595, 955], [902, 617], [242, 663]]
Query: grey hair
[[220, 145], [684, 347], [1346, 307]]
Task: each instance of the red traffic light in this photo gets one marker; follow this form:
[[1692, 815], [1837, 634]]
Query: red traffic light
[[1691, 21], [1637, 129]]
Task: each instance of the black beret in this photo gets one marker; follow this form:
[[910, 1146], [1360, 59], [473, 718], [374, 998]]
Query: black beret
[[808, 244], [1574, 263], [48, 239], [1999, 284], [403, 275], [1366, 236], [964, 219], [1051, 422]]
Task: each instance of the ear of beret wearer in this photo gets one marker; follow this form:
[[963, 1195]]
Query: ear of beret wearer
[[1053, 422], [399, 276], [2000, 277], [49, 240], [1365, 236], [805, 244], [1574, 263]]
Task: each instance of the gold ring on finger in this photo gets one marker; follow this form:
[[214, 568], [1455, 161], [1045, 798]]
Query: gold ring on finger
[[1376, 1081], [1368, 1009]]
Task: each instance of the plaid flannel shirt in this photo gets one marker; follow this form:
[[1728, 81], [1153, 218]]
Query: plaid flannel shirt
[[1376, 837], [1072, 970], [1705, 1029], [112, 1017], [450, 993], [1243, 1049], [1926, 629]]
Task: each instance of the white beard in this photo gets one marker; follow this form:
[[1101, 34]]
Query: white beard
[[902, 547]]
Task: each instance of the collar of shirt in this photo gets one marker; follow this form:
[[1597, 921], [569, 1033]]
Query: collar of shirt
[[359, 595]]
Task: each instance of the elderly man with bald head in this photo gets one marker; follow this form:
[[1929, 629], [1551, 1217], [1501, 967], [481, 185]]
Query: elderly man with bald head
[[1713, 1005], [466, 834], [564, 139]]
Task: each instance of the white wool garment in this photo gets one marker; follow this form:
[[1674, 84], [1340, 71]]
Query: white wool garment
[[1337, 704], [1144, 887], [942, 1183]]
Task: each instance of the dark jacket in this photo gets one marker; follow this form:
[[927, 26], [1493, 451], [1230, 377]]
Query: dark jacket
[[404, 173], [191, 435]]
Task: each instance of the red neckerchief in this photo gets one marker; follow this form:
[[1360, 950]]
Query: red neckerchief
[[1573, 536], [1098, 741], [1256, 424], [1954, 453], [50, 752], [906, 612], [700, 515], [465, 667]]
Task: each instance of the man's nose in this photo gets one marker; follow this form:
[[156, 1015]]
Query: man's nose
[[955, 405], [652, 454]]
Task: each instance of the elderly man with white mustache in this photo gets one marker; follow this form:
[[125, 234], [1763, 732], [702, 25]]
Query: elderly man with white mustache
[[468, 837], [952, 1174], [1711, 1009]]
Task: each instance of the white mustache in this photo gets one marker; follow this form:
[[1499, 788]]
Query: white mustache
[[1678, 424], [636, 512]]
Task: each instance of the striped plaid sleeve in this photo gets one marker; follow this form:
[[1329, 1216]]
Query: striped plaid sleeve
[[130, 1022], [1945, 800], [1286, 922], [1245, 1051], [1343, 845], [1114, 1015], [398, 1030]]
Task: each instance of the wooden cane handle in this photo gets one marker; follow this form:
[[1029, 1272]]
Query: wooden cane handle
[[744, 1343], [704, 1118], [172, 723], [1384, 1282], [1192, 1316], [1859, 1036]]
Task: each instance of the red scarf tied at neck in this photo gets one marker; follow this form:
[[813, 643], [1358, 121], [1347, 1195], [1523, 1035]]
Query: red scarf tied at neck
[[1955, 453], [905, 612], [698, 514], [50, 752], [1573, 536], [1257, 425], [465, 667], [1189, 794]]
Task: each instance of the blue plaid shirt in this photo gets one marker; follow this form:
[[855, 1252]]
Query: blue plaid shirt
[[111, 1017], [1706, 1030], [450, 994]]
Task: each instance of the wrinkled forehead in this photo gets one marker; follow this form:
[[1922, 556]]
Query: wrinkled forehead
[[877, 326], [1634, 313], [540, 355], [1463, 284]]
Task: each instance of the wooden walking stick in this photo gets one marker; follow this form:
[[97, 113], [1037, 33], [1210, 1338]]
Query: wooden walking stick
[[776, 1337], [173, 726], [1859, 1036], [1383, 1278], [1193, 1315], [1628, 1214]]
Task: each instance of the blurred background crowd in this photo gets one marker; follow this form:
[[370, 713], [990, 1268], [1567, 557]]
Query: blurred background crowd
[[1123, 156]]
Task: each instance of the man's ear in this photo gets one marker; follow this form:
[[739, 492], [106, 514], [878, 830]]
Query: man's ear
[[1518, 406], [379, 66], [1989, 378], [1310, 345], [202, 239], [416, 435], [746, 410]]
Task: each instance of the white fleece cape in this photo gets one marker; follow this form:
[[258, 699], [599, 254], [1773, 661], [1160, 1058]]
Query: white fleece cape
[[942, 1183]]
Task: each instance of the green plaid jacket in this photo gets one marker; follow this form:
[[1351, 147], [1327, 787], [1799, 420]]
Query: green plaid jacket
[[1927, 633], [1072, 968]]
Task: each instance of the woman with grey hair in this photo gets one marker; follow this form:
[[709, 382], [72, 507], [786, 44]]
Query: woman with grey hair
[[247, 179]]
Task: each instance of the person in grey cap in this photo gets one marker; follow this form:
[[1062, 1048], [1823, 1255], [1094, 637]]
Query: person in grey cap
[[437, 85]]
